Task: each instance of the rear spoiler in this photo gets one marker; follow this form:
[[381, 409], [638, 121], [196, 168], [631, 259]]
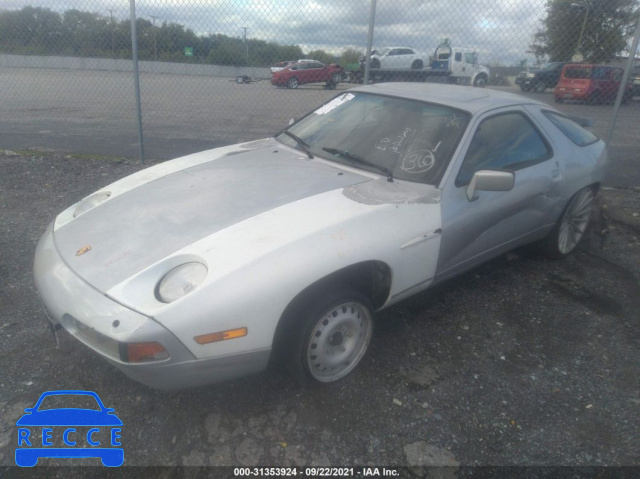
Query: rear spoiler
[[584, 122]]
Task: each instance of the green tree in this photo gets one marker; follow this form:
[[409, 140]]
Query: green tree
[[321, 56], [608, 28], [349, 56]]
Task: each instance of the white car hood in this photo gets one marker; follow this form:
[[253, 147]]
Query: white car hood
[[141, 226]]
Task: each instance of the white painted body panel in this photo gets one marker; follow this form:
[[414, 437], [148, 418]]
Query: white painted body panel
[[257, 266]]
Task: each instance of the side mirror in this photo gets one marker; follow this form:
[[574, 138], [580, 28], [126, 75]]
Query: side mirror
[[490, 180]]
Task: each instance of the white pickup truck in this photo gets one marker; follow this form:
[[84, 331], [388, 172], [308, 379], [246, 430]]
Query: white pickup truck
[[449, 64]]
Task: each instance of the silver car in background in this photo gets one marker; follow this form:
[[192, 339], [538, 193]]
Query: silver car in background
[[202, 268]]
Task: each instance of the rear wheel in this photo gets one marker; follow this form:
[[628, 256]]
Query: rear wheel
[[571, 226], [292, 83], [525, 88], [375, 63], [331, 336], [417, 65]]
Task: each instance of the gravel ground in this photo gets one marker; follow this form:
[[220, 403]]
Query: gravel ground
[[523, 361]]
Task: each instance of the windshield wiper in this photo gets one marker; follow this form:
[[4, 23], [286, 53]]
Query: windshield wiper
[[357, 159], [300, 142]]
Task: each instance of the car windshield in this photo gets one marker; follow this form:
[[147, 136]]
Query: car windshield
[[550, 66], [411, 139], [66, 401]]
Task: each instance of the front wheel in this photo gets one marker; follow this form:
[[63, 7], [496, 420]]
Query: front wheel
[[292, 83], [375, 63], [331, 336], [571, 226], [417, 65], [525, 88], [480, 81]]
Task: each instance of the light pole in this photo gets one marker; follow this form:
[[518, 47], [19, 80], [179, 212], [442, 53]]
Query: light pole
[[577, 56], [155, 45], [113, 48], [246, 44]]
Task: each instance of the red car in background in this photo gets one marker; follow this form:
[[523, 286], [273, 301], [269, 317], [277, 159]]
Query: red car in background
[[590, 83], [301, 73]]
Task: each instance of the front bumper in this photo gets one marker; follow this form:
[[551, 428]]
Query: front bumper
[[103, 324]]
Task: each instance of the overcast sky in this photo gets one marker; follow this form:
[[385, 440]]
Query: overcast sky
[[501, 30]]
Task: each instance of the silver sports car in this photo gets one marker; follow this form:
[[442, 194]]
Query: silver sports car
[[200, 269]]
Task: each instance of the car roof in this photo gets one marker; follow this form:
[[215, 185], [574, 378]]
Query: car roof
[[471, 99]]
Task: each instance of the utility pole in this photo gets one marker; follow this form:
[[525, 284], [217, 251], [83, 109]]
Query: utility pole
[[246, 44], [113, 48], [155, 45]]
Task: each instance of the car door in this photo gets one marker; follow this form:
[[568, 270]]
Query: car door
[[614, 78], [317, 72], [390, 60], [407, 57], [496, 221]]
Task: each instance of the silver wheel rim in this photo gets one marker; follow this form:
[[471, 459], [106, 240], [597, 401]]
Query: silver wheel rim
[[293, 83], [480, 82], [575, 221], [338, 341]]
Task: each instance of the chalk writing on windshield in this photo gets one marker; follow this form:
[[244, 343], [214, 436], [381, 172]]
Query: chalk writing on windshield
[[419, 161]]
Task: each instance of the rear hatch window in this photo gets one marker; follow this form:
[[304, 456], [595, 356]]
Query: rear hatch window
[[577, 73], [571, 129]]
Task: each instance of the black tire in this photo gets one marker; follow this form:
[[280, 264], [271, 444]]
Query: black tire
[[572, 225], [292, 83], [331, 334], [480, 81], [417, 65], [375, 63], [539, 87], [331, 85], [336, 78], [240, 79], [525, 88]]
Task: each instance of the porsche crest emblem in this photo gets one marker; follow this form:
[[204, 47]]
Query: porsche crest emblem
[[83, 250]]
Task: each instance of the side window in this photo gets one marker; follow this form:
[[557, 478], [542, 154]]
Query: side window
[[392, 53], [470, 58], [458, 57], [407, 51], [507, 141], [599, 73]]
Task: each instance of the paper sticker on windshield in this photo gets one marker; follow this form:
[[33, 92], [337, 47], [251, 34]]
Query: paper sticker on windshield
[[336, 102]]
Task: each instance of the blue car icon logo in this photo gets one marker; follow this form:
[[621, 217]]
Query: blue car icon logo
[[92, 430]]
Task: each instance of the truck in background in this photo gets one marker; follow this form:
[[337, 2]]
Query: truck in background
[[449, 64]]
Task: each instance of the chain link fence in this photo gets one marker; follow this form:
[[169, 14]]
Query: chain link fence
[[215, 72]]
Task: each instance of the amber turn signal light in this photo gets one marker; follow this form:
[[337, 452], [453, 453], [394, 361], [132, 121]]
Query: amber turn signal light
[[221, 336], [142, 352]]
